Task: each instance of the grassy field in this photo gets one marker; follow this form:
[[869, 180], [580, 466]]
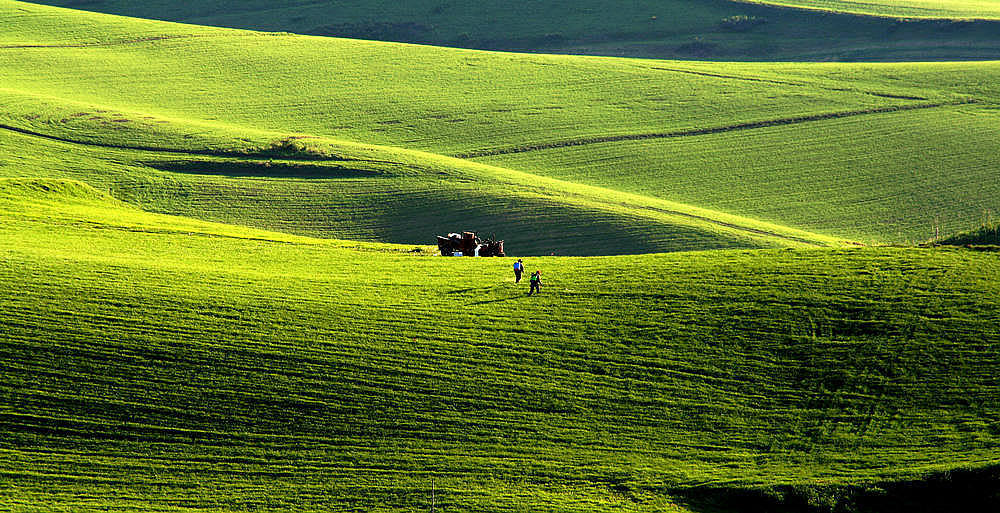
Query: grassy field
[[217, 291], [155, 363], [938, 9], [880, 176], [700, 29], [588, 155], [385, 195]]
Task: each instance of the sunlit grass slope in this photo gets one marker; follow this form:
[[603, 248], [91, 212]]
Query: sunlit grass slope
[[201, 93], [158, 363], [701, 29], [889, 177], [946, 9]]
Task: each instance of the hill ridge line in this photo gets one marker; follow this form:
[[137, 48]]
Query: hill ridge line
[[703, 131], [25, 131]]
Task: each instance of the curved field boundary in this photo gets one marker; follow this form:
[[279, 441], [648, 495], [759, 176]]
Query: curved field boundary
[[33, 133], [702, 131], [733, 77]]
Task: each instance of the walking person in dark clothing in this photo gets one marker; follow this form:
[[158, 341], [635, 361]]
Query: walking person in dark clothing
[[536, 282], [518, 269]]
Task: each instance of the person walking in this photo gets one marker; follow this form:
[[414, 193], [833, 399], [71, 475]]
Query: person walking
[[536, 282], [518, 269]]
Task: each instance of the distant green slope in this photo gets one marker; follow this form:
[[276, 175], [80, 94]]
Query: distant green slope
[[701, 29], [940, 9], [714, 139], [154, 363], [890, 177]]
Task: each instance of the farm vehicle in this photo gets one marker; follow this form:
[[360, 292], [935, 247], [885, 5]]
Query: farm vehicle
[[467, 244]]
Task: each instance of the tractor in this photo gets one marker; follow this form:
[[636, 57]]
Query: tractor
[[467, 244]]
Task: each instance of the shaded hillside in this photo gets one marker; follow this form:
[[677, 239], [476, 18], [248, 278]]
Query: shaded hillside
[[698, 29]]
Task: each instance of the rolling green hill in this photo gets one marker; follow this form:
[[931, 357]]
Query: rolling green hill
[[587, 155], [701, 29], [155, 363], [217, 292]]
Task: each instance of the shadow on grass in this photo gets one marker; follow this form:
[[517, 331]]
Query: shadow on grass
[[261, 168], [501, 300], [967, 491]]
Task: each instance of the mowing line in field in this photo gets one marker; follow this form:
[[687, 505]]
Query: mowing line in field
[[733, 77], [782, 82], [703, 131]]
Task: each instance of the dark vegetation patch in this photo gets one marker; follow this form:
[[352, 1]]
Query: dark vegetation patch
[[292, 147], [260, 168], [986, 235], [968, 491]]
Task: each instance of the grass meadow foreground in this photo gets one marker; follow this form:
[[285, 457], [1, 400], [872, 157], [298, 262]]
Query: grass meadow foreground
[[157, 363]]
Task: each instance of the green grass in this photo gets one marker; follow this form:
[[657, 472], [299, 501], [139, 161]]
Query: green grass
[[362, 196], [883, 178], [643, 28], [384, 117], [155, 363], [245, 357], [938, 9]]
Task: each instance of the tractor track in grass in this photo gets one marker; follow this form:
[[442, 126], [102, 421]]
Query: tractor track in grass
[[787, 83], [703, 131]]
